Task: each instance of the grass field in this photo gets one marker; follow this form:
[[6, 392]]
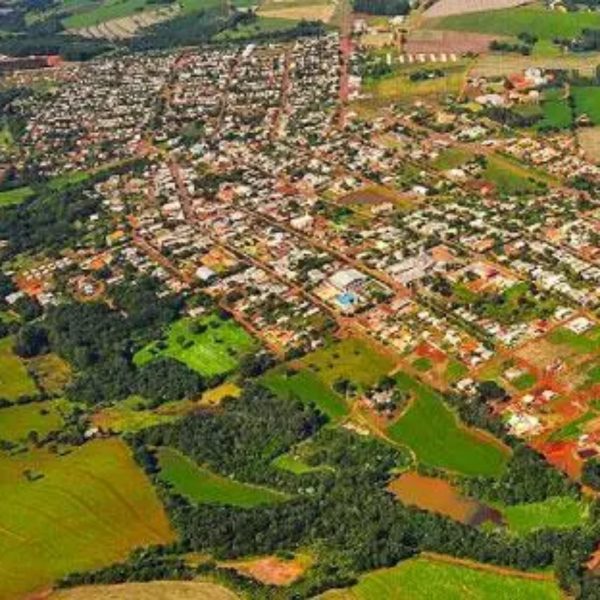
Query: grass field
[[260, 25], [545, 24], [558, 512], [352, 358], [425, 579], [153, 590], [581, 343], [84, 510], [452, 158], [42, 417], [587, 102], [307, 387], [203, 486], [15, 196], [511, 177], [51, 372], [556, 112], [293, 464], [216, 349], [14, 379], [112, 9], [434, 433]]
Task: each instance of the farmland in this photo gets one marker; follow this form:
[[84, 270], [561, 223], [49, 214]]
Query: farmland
[[510, 177], [166, 590], [201, 485], [14, 379], [15, 196], [544, 24], [84, 510], [587, 102], [434, 433], [426, 579], [42, 417], [211, 345]]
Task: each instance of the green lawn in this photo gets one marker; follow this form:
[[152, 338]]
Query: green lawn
[[293, 464], [558, 512], [438, 439], [203, 486], [14, 379], [524, 382], [214, 350], [307, 387], [556, 111], [81, 511], [545, 24], [587, 102], [42, 417], [15, 196], [452, 158], [425, 579]]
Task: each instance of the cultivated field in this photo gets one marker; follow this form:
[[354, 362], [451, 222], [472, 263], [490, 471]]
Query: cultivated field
[[589, 140], [557, 512], [154, 590], [296, 10], [443, 8], [545, 24], [438, 439], [497, 65], [15, 196], [271, 570], [427, 579], [51, 372], [80, 511], [203, 486], [14, 379], [214, 348]]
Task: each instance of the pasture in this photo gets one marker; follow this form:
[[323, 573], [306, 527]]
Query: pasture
[[511, 177], [428, 579], [437, 437], [210, 345], [80, 511], [51, 372], [42, 417], [544, 24], [587, 102], [203, 486], [14, 379]]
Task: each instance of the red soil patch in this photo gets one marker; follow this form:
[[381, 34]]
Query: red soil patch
[[426, 350], [562, 456], [271, 570]]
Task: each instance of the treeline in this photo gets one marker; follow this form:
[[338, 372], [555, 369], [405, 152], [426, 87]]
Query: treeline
[[382, 7], [100, 342]]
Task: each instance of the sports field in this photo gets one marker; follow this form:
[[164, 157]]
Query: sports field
[[42, 417], [544, 24], [426, 579], [201, 485], [210, 345], [438, 439], [14, 379], [80, 511]]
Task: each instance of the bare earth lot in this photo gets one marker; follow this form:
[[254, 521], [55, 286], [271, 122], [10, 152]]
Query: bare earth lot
[[443, 8]]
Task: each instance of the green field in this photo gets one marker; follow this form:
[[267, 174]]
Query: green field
[[307, 387], [257, 27], [545, 24], [557, 512], [80, 511], [42, 417], [14, 379], [587, 102], [293, 464], [204, 486], [452, 158], [581, 343], [354, 359], [425, 579], [215, 350], [511, 177], [98, 13], [555, 110], [15, 196], [438, 439]]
